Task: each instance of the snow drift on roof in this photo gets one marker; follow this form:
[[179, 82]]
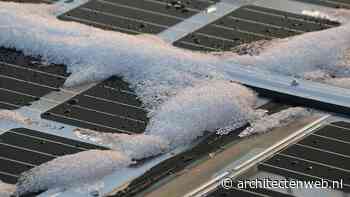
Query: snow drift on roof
[[340, 15], [136, 147], [182, 87], [184, 118], [70, 170], [278, 119], [294, 56], [205, 107]]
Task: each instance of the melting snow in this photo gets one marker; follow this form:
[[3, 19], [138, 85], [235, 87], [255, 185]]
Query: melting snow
[[278, 119], [341, 15], [205, 107], [323, 50], [184, 118], [184, 88], [67, 171], [14, 116], [6, 190], [134, 146]]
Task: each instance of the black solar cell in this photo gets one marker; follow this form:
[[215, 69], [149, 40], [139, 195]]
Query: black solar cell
[[211, 144], [24, 80], [110, 106], [329, 3], [309, 168], [326, 144], [342, 124], [291, 174], [336, 132], [135, 16], [321, 155], [233, 192], [260, 192], [22, 149], [310, 154], [248, 24]]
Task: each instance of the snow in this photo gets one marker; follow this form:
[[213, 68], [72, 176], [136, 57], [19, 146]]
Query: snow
[[70, 170], [205, 107], [340, 15], [327, 51], [294, 56], [187, 92], [14, 116], [184, 118], [6, 190], [278, 119], [93, 54], [135, 147]]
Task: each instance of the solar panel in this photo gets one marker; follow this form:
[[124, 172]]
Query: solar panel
[[110, 106], [31, 1], [248, 192], [135, 16], [24, 79], [22, 149], [212, 143], [248, 24], [329, 3], [322, 155]]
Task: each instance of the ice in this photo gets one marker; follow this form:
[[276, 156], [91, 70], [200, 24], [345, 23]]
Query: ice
[[67, 171], [6, 190], [278, 119]]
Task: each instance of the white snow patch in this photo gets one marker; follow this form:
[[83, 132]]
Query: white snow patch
[[340, 15], [68, 171], [318, 14], [294, 56], [6, 190], [134, 146], [275, 120], [182, 87], [15, 117], [326, 50], [205, 107]]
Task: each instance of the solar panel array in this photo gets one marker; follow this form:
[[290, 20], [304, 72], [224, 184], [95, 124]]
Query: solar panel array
[[135, 16], [110, 106], [31, 1], [24, 80], [211, 144], [249, 192], [329, 3], [248, 24], [324, 154], [22, 149]]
